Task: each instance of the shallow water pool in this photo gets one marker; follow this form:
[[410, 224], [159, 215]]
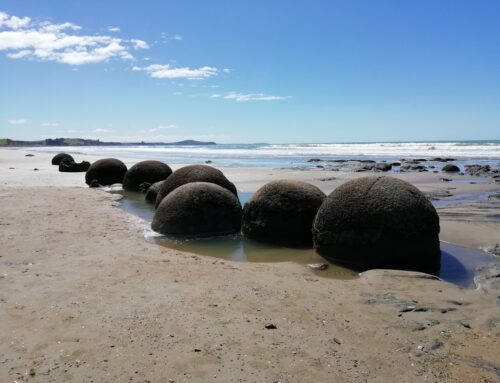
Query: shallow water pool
[[458, 263]]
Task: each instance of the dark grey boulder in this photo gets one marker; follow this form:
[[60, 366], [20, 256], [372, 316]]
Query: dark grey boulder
[[198, 209], [194, 173], [56, 160], [450, 168], [152, 192], [282, 212], [378, 222], [73, 167], [107, 171], [145, 171], [144, 186], [412, 168], [94, 184]]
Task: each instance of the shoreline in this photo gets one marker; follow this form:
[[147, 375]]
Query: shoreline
[[85, 297]]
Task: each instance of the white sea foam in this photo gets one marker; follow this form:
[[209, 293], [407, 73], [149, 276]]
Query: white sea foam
[[464, 150]]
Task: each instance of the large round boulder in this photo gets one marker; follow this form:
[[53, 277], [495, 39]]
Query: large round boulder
[[145, 171], [282, 212], [194, 173], [152, 192], [107, 171], [56, 160], [378, 222], [198, 209]]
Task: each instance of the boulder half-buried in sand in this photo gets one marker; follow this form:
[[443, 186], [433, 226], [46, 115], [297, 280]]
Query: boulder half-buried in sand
[[145, 171], [107, 171], [56, 160], [378, 222], [282, 212], [198, 209], [194, 173]]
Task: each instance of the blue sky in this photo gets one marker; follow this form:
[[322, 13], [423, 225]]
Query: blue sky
[[250, 71]]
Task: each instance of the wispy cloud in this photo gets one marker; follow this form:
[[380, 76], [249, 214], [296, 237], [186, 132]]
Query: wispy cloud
[[242, 97], [45, 41], [113, 29], [165, 37], [100, 130], [19, 121], [163, 127], [49, 124], [167, 71], [139, 44]]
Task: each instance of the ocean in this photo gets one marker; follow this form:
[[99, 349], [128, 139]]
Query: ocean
[[297, 155]]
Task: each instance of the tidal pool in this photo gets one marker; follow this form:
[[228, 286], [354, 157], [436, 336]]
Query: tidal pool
[[458, 263]]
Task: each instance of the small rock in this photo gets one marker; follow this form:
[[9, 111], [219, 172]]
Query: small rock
[[270, 326], [29, 155], [495, 250], [432, 345], [465, 324], [318, 266], [35, 169], [445, 179]]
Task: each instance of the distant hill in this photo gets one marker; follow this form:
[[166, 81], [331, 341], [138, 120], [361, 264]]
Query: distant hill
[[84, 142]]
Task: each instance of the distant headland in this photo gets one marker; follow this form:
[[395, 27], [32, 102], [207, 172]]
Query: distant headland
[[4, 142]]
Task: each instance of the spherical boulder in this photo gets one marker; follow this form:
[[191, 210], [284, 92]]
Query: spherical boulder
[[106, 171], [152, 192], [145, 171], [56, 160], [282, 212], [194, 173], [378, 222], [450, 168], [198, 209]]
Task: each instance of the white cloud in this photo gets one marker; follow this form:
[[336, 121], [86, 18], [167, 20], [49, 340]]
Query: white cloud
[[20, 121], [139, 44], [227, 70], [241, 97], [165, 37], [113, 29], [166, 71], [100, 130], [71, 131], [45, 41], [166, 127], [49, 124], [13, 22]]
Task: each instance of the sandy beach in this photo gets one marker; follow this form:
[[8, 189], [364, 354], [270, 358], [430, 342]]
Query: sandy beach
[[85, 298]]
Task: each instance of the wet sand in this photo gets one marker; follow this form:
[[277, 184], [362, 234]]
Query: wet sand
[[85, 298]]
